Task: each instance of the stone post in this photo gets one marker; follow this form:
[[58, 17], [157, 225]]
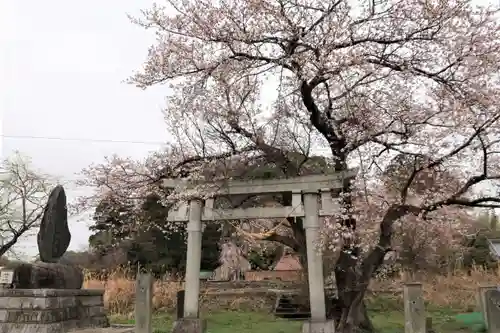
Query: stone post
[[314, 258], [492, 301], [193, 263], [415, 317], [143, 303], [481, 301]]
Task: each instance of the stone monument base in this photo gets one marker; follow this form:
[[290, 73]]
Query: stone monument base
[[327, 326], [51, 310], [189, 325]]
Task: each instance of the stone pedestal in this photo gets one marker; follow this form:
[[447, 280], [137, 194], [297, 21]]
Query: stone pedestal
[[51, 310], [189, 325], [327, 326]]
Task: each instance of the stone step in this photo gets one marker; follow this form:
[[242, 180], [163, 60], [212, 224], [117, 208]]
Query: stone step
[[105, 330], [287, 309]]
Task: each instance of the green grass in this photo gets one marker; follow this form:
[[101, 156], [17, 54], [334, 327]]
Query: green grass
[[229, 322], [386, 313]]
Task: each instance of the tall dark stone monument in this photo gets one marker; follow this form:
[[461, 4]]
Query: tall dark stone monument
[[54, 236], [53, 241], [47, 296]]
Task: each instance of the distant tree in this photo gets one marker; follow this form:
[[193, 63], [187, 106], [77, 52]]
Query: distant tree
[[476, 243], [210, 245], [145, 237], [112, 219], [265, 259], [478, 253], [24, 193], [488, 220]]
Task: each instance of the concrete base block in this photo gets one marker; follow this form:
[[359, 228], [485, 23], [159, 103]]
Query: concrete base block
[[189, 325], [327, 326], [51, 310]]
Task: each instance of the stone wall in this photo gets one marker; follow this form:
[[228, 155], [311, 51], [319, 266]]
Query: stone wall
[[50, 310], [242, 299], [231, 285], [292, 275]]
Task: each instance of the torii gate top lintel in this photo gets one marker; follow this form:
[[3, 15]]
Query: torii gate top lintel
[[323, 184]]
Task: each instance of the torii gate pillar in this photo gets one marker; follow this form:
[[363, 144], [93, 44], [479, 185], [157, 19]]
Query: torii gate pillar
[[191, 323], [318, 322], [191, 300], [314, 258]]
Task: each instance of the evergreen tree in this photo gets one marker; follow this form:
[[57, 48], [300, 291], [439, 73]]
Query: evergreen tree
[[210, 245], [157, 245]]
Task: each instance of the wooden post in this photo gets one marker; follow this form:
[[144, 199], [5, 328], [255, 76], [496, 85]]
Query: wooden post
[[180, 304], [143, 303], [415, 317], [428, 325]]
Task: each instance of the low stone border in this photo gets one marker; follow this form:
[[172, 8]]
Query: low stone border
[[106, 330]]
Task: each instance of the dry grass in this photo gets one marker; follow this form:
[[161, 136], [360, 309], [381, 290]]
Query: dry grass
[[455, 290], [119, 297]]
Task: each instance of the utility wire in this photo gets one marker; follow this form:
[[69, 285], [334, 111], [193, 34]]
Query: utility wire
[[56, 138]]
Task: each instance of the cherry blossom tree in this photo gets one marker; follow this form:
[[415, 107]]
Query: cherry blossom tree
[[366, 82], [25, 191]]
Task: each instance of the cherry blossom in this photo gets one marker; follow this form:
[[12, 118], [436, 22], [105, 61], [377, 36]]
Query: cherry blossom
[[407, 91]]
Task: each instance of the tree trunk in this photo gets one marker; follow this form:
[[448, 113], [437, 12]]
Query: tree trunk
[[352, 273], [350, 317], [353, 276], [348, 309]]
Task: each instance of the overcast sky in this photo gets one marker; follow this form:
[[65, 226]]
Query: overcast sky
[[62, 65]]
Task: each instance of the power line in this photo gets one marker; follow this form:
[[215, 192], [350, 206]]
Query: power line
[[56, 138]]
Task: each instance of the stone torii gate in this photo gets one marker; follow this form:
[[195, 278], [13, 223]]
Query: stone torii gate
[[311, 198]]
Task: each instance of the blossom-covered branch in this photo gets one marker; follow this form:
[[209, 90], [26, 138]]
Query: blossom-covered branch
[[405, 90]]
